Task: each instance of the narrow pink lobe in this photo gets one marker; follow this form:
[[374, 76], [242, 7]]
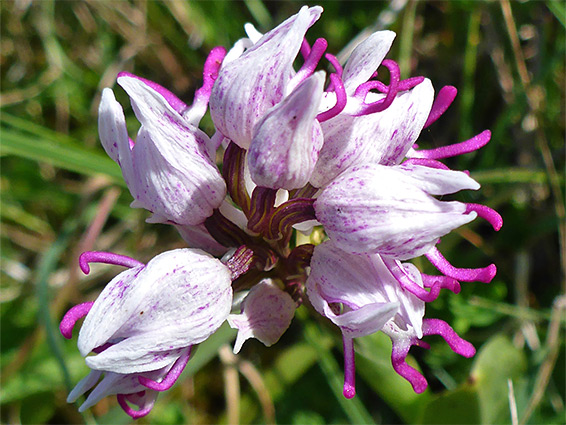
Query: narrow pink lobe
[[305, 48], [398, 360], [485, 274], [171, 377], [341, 99], [410, 285], [473, 144], [431, 163], [313, 58], [392, 91], [72, 316], [107, 258], [135, 414], [335, 63], [210, 73], [349, 368], [457, 344], [487, 214], [443, 100]]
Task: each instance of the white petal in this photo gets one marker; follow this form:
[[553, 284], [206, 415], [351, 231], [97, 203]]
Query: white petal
[[84, 385], [381, 138], [114, 134], [365, 59], [287, 140], [173, 174], [266, 315], [437, 181], [253, 34], [375, 208], [250, 85], [179, 299]]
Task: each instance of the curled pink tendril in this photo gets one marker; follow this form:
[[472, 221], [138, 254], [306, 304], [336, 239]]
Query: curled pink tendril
[[443, 100], [135, 414], [473, 144], [171, 377], [72, 316], [107, 258], [341, 99], [392, 91], [431, 163], [349, 390], [485, 274], [487, 214]]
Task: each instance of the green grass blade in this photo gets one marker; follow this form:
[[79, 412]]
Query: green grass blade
[[63, 155], [353, 408]]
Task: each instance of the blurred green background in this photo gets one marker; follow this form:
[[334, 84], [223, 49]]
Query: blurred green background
[[61, 195]]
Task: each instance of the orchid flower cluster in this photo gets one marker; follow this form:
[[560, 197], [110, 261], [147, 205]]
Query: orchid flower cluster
[[303, 151]]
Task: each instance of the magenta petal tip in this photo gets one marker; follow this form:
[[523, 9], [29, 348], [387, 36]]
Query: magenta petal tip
[[349, 391]]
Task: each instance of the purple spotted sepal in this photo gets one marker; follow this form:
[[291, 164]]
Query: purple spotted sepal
[[360, 295], [248, 86], [143, 324], [266, 313], [169, 169], [288, 138], [389, 209]]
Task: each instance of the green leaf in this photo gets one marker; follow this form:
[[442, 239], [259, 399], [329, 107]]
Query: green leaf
[[72, 158], [497, 362], [373, 364], [353, 408], [460, 406], [28, 140]]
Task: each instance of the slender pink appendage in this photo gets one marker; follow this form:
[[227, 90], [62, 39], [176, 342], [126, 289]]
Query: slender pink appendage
[[485, 274], [473, 144], [431, 163], [349, 368], [457, 344], [72, 316], [381, 105], [403, 85], [131, 142], [210, 73], [134, 414], [305, 48], [171, 377], [413, 287], [341, 99], [487, 214], [398, 360], [107, 258], [176, 103], [335, 63], [444, 282], [443, 100], [313, 58]]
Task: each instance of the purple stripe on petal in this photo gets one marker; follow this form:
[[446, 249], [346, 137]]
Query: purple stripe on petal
[[176, 103]]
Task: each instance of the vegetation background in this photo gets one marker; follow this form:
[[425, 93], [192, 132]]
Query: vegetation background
[[61, 195]]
